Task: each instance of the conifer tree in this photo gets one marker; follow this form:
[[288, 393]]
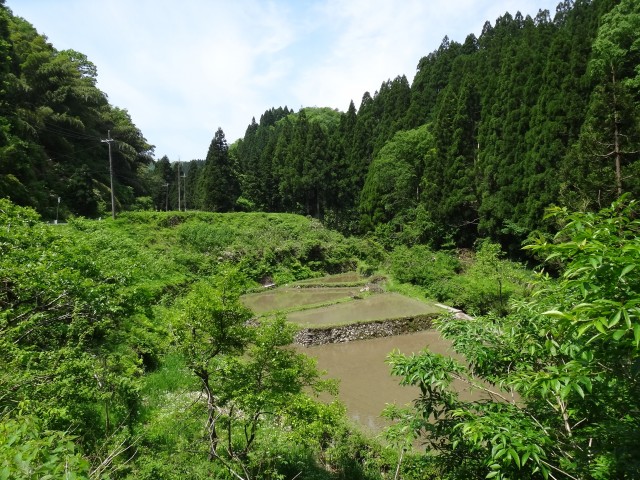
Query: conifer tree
[[220, 187], [610, 137]]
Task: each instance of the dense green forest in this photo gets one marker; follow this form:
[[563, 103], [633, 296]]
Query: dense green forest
[[126, 353], [52, 121], [533, 112]]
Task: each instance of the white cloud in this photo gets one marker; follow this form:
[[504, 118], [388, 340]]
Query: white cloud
[[184, 69]]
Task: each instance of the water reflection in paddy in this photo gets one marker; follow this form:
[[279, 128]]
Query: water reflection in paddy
[[366, 385]]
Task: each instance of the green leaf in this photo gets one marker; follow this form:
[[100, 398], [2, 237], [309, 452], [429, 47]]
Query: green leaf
[[636, 333], [516, 458], [583, 328], [492, 474], [618, 334], [499, 453], [599, 326], [615, 319], [626, 270]]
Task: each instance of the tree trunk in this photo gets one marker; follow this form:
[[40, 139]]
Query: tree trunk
[[211, 414], [616, 135]]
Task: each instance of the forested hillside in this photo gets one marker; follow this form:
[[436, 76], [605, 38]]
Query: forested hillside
[[533, 112], [53, 119]]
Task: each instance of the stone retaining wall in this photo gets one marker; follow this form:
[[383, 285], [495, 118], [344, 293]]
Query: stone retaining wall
[[360, 331]]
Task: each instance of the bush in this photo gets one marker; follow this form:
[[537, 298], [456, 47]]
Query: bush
[[422, 266], [485, 284], [29, 451]]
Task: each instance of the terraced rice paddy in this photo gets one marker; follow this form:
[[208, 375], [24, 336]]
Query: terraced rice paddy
[[382, 306], [341, 278], [283, 299], [366, 385]]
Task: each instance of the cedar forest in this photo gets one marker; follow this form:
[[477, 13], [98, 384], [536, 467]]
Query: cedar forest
[[125, 351]]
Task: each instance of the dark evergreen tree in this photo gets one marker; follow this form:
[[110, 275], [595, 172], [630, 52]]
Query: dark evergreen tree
[[316, 169], [360, 154], [607, 150], [284, 167], [390, 105], [220, 188], [431, 77], [162, 180], [451, 178], [248, 152], [191, 195]]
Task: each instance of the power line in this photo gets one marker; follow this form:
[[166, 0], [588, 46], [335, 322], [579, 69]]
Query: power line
[[66, 132], [113, 203], [73, 155]]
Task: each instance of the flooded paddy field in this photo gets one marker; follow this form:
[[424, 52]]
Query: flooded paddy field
[[287, 298], [375, 307], [366, 385]]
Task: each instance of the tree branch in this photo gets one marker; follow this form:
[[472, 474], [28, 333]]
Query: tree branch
[[559, 470]]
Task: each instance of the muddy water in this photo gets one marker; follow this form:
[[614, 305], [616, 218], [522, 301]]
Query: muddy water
[[377, 307], [366, 385], [283, 298]]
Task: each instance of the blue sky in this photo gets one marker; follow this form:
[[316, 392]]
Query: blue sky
[[184, 68]]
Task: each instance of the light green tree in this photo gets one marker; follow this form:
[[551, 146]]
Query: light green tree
[[558, 377], [27, 451], [250, 376]]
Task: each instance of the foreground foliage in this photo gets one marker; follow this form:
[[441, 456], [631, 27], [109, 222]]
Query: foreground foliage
[[123, 346], [559, 375], [126, 354]]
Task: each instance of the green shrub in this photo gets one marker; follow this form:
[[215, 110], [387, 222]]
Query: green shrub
[[27, 451], [422, 266]]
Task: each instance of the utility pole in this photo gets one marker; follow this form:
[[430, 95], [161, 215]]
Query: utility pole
[[184, 191], [166, 198], [179, 185], [113, 202]]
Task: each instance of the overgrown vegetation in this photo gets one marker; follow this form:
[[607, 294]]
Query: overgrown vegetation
[[477, 282], [560, 372], [125, 351]]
